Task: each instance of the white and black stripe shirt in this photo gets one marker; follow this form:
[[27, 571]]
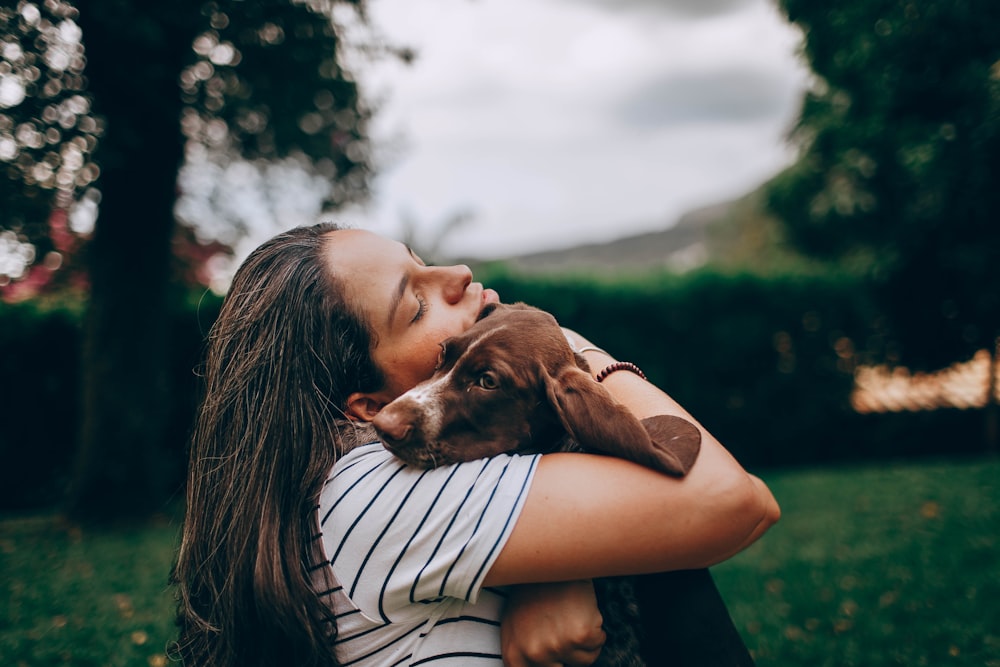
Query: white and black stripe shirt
[[408, 551]]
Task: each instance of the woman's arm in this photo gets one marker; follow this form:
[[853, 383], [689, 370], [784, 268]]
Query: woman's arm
[[589, 516]]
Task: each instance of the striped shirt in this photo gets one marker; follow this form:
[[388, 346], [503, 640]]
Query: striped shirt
[[408, 550]]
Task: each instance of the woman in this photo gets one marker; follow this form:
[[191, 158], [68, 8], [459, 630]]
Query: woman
[[298, 528]]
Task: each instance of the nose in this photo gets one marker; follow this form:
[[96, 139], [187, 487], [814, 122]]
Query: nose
[[455, 280], [392, 425]]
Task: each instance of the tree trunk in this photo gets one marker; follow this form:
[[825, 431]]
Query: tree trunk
[[134, 57]]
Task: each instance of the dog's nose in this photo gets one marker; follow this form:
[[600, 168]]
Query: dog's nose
[[392, 426]]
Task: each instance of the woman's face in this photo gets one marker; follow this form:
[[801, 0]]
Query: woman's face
[[410, 306]]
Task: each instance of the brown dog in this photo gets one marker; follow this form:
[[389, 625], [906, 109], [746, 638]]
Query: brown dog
[[511, 383]]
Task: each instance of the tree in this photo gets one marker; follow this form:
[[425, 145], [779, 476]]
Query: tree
[[262, 79], [47, 135], [899, 169]]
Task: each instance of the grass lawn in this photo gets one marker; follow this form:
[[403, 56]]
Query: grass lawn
[[80, 597], [895, 564]]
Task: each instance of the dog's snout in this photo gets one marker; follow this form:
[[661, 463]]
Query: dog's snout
[[393, 425]]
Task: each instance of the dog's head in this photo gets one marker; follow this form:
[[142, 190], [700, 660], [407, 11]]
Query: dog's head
[[511, 382], [486, 395]]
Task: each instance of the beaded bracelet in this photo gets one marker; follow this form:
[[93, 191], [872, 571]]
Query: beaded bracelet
[[620, 366]]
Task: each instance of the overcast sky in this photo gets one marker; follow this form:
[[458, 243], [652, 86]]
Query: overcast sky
[[556, 122]]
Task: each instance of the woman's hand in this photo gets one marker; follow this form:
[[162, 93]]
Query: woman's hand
[[551, 624]]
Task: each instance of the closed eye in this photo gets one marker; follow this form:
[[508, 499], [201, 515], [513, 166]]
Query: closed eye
[[421, 309]]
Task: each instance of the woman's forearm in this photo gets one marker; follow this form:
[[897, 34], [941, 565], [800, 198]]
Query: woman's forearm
[[593, 516], [590, 516], [645, 399]]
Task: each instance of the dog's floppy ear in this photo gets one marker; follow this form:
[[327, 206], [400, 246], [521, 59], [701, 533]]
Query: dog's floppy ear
[[592, 418], [675, 435]]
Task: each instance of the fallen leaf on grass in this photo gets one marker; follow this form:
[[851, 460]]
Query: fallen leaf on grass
[[842, 625], [124, 604], [930, 510]]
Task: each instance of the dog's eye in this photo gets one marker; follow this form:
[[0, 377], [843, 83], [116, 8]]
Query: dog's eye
[[440, 361], [488, 381]]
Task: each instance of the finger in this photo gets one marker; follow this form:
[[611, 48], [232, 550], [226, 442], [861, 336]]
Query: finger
[[513, 660], [521, 660], [594, 643], [582, 658]]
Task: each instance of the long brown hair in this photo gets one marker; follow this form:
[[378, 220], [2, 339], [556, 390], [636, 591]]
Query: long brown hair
[[283, 355]]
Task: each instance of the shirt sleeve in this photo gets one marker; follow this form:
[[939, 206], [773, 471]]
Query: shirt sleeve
[[399, 537]]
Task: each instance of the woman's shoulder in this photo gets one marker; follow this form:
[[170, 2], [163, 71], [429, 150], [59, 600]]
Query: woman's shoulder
[[369, 451]]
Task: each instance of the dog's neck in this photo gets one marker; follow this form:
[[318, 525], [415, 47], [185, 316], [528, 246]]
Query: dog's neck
[[351, 434]]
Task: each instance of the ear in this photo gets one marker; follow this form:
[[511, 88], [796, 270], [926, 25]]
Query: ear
[[363, 407], [675, 435], [596, 421]]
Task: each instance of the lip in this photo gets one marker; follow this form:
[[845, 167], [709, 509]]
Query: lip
[[489, 296]]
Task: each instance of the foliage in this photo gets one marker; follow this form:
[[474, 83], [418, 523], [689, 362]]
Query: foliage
[[270, 73], [260, 79], [869, 566], [48, 132], [900, 156]]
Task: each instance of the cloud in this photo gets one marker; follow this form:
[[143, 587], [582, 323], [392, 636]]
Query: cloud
[[573, 121], [710, 97], [683, 8]]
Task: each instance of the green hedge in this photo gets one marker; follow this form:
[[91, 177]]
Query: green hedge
[[762, 362], [39, 372], [40, 357], [766, 363]]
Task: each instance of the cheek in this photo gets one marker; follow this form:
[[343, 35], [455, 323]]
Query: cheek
[[413, 364], [427, 353], [413, 360], [429, 348]]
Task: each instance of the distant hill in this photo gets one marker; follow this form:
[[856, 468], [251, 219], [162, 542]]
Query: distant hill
[[736, 233], [680, 246]]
